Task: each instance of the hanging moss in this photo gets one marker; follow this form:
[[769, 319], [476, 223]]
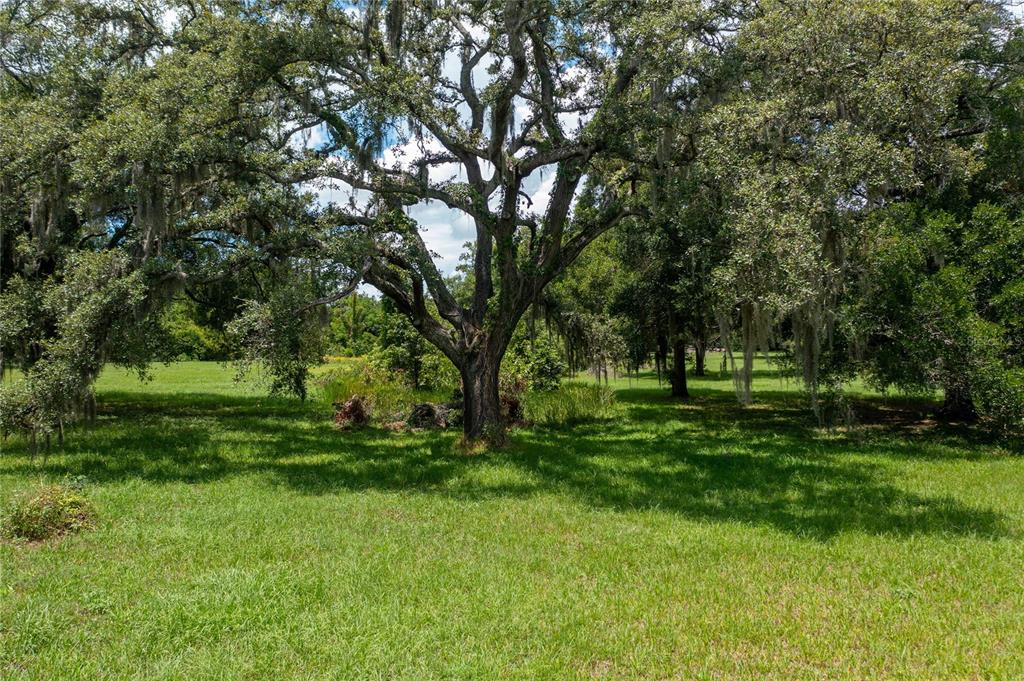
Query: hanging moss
[[755, 334], [150, 207]]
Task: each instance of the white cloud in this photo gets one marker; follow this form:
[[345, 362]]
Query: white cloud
[[542, 182], [445, 231]]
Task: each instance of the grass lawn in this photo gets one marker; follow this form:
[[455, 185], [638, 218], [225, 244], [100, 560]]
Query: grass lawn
[[243, 537]]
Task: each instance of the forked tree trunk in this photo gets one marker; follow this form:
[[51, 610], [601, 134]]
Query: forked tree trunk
[[678, 376], [482, 417]]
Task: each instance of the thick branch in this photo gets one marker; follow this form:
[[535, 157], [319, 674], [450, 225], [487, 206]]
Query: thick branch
[[349, 288], [501, 112], [414, 308]]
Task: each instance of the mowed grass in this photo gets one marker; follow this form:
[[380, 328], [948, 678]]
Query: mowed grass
[[242, 537]]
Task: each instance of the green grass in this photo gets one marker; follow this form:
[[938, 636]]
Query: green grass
[[244, 537]]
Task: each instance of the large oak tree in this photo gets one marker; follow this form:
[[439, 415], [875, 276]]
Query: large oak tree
[[497, 93], [192, 151]]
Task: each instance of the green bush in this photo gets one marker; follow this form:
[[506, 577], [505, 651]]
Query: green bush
[[189, 337], [194, 342], [49, 511], [538, 364], [572, 402], [999, 397], [16, 407]]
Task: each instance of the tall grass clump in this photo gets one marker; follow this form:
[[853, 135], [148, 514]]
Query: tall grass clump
[[389, 398], [49, 511], [572, 402]]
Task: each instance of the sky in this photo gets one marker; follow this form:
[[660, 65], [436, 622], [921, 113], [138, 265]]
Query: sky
[[446, 230]]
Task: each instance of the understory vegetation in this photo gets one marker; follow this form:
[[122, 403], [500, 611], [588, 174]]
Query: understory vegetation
[[571, 403], [243, 536], [534, 385]]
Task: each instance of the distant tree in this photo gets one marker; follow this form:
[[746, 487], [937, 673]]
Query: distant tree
[[356, 325], [399, 348], [192, 336], [936, 306], [669, 284]]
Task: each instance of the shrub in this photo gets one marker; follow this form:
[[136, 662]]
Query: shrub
[[999, 397], [539, 364], [49, 511], [573, 402], [512, 390], [16, 408], [438, 373], [192, 341]]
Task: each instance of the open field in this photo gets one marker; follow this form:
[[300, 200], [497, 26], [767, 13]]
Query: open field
[[244, 537]]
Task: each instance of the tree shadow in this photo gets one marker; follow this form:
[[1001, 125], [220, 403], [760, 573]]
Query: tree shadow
[[788, 485], [707, 459]]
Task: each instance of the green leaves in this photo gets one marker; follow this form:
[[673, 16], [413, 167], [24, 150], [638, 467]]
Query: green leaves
[[284, 335], [93, 311]]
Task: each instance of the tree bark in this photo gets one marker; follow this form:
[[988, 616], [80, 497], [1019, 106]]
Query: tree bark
[[482, 418], [700, 349], [678, 376]]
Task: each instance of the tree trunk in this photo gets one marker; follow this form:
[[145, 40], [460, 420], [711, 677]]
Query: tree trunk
[[482, 417], [700, 349], [661, 356], [678, 376], [957, 405]]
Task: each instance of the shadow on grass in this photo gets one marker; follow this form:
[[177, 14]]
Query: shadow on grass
[[706, 460]]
